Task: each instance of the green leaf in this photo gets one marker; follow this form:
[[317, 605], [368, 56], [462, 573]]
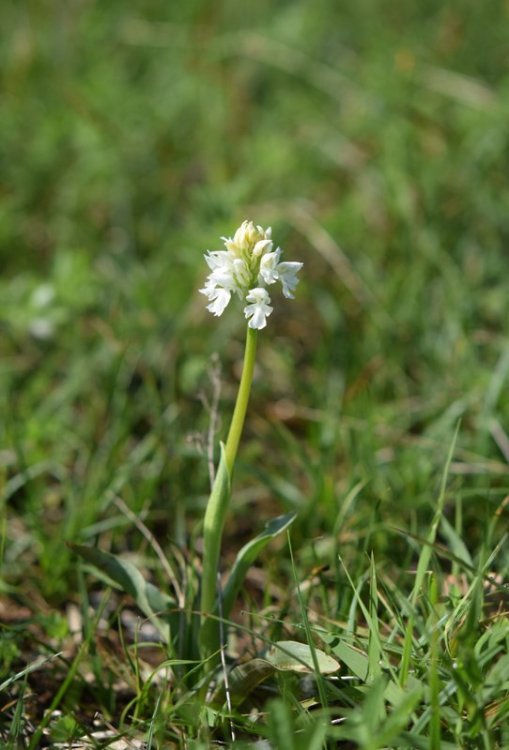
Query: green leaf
[[370, 726], [284, 656], [291, 656], [313, 737], [356, 661], [414, 741], [281, 727], [496, 680], [425, 556], [37, 664], [394, 693], [242, 680], [373, 708], [63, 729], [127, 577], [374, 642], [248, 554], [399, 717], [374, 647], [455, 542]]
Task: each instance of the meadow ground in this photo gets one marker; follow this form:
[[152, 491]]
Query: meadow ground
[[373, 137]]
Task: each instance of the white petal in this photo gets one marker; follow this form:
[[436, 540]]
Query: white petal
[[210, 286], [287, 273], [223, 277], [260, 308], [256, 315], [258, 295], [229, 244], [241, 236], [261, 247], [269, 266], [218, 259], [220, 298]]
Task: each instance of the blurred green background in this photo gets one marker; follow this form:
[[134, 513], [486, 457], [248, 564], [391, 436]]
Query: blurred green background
[[373, 136]]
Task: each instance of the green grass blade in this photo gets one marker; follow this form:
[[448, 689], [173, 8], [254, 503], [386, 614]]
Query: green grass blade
[[434, 679], [304, 615], [38, 664], [374, 643], [73, 668], [425, 556], [376, 647], [281, 728]]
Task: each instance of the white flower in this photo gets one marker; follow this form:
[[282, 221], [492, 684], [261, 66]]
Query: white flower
[[287, 273], [268, 267], [271, 270], [218, 298], [248, 264], [260, 309]]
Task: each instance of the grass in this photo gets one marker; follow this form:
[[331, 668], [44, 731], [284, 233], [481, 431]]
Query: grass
[[373, 137]]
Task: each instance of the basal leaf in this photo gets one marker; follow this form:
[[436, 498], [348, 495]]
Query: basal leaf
[[284, 656], [248, 554], [242, 680], [291, 656], [127, 576]]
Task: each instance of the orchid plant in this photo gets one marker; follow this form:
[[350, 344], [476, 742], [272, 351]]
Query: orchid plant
[[247, 266]]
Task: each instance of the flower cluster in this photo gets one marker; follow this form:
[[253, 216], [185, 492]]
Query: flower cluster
[[247, 266]]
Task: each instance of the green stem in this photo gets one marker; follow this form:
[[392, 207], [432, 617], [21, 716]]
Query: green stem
[[239, 413], [218, 504]]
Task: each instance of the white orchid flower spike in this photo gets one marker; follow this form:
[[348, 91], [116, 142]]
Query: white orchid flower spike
[[247, 266]]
